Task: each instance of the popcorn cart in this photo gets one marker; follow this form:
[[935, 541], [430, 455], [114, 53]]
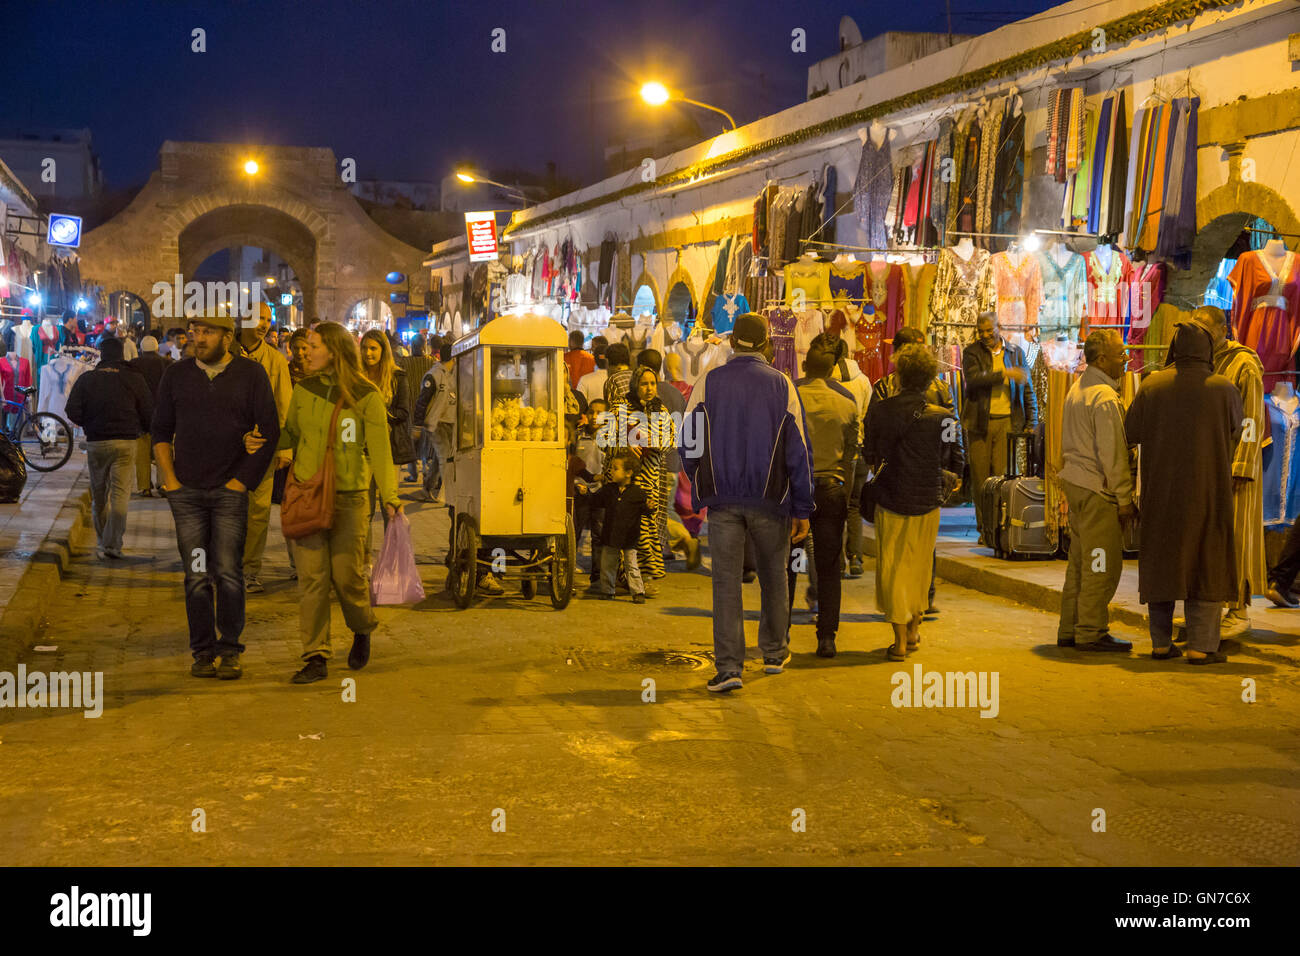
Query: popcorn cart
[[507, 479]]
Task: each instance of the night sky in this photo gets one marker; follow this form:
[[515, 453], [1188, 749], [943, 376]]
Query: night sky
[[410, 89]]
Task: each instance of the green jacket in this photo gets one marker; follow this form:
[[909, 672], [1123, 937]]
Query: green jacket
[[360, 445]]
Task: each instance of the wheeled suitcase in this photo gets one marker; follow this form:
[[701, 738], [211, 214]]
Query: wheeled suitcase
[[1014, 509]]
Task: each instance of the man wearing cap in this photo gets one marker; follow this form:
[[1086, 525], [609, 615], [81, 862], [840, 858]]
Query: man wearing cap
[[744, 447], [151, 365], [207, 405], [112, 403], [252, 338]]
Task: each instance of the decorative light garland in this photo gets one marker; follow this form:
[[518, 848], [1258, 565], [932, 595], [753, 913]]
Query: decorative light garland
[[1120, 31]]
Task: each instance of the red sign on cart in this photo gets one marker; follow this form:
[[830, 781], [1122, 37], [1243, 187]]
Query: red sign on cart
[[481, 228]]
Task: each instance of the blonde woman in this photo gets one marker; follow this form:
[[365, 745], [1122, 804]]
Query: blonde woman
[[381, 370], [337, 557]]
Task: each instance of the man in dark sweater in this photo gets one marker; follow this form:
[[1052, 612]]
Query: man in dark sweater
[[112, 403], [207, 406]]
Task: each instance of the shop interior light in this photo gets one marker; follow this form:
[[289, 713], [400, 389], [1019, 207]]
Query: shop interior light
[[34, 299], [1032, 242], [82, 305], [465, 177]]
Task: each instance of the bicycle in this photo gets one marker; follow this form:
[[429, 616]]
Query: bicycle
[[43, 438]]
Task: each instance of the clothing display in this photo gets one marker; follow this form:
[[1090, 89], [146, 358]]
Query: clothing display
[[1009, 176], [1161, 212], [56, 381], [762, 291], [1218, 291], [887, 296], [1107, 275], [1065, 290], [1146, 285], [963, 288], [20, 375], [781, 325], [869, 341], [725, 309], [1266, 309], [1019, 288], [920, 283], [848, 282], [1281, 481], [697, 356], [807, 284], [811, 323], [871, 188]]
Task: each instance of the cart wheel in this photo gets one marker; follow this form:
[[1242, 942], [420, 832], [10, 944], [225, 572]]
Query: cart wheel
[[563, 562], [464, 563], [528, 587]]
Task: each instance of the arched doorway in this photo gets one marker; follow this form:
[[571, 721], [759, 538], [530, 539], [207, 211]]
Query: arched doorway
[[129, 309]]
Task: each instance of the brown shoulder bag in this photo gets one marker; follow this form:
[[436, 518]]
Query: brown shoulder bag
[[308, 506]]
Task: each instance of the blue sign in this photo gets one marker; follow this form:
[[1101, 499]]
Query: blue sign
[[286, 298], [64, 231], [395, 278], [397, 298]]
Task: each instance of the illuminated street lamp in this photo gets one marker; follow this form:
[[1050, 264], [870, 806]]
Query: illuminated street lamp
[[469, 178], [251, 167], [656, 94]]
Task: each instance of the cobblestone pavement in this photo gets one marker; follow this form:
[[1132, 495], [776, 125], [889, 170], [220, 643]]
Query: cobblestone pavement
[[511, 707]]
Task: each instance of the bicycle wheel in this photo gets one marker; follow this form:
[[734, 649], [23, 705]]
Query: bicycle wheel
[[45, 441]]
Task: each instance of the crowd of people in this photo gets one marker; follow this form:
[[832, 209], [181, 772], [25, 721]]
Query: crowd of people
[[220, 420]]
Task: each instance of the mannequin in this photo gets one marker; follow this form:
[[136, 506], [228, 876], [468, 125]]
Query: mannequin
[[1061, 253], [844, 260], [1104, 253], [965, 248], [1284, 396], [23, 339], [1274, 249]]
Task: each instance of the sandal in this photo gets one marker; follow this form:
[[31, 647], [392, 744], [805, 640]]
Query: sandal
[[1172, 651], [1212, 658], [894, 655], [913, 645]]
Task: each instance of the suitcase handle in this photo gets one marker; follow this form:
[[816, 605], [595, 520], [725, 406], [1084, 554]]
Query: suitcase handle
[[1013, 443]]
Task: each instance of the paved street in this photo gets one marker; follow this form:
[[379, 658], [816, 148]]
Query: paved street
[[514, 706]]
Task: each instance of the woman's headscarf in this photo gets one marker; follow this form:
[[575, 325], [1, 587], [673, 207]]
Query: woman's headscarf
[[655, 404]]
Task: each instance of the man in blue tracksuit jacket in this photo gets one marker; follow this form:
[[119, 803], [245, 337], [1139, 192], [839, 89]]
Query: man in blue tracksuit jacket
[[744, 446]]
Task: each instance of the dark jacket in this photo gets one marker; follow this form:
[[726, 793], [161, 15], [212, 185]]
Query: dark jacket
[[623, 510], [111, 402], [399, 421], [980, 379], [205, 421], [151, 365], [915, 451]]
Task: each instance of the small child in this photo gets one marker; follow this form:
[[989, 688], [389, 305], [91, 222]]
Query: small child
[[586, 462], [624, 503]]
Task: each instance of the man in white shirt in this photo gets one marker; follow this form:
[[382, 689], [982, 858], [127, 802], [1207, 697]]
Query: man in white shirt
[[1097, 479], [592, 385]]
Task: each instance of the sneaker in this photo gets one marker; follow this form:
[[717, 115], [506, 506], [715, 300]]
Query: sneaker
[[1234, 624], [230, 668], [491, 585], [721, 682], [855, 569], [825, 647], [1107, 643], [693, 559], [775, 665], [314, 670], [203, 667], [253, 585], [359, 657], [638, 598]]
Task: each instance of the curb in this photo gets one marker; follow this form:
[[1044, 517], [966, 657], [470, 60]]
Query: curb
[[22, 618], [1038, 596]]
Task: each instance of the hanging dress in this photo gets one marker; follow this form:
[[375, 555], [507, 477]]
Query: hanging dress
[[1266, 311]]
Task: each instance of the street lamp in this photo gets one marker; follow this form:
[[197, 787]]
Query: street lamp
[[469, 179], [251, 167], [656, 94]]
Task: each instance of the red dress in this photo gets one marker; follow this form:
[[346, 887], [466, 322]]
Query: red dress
[[1146, 290], [887, 292], [1107, 291], [1266, 311], [869, 333]]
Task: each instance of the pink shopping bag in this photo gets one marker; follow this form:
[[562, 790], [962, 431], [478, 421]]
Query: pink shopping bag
[[395, 579]]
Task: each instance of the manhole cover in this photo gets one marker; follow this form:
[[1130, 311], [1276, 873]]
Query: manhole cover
[[672, 659]]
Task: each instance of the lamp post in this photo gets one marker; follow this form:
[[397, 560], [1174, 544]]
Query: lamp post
[[656, 94], [470, 179]]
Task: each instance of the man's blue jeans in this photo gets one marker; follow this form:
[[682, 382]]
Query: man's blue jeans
[[210, 528], [770, 533]]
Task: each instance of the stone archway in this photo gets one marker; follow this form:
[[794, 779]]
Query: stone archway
[[200, 200], [252, 225], [1220, 217], [647, 279]]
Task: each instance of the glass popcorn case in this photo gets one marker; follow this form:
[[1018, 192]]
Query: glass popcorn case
[[507, 480]]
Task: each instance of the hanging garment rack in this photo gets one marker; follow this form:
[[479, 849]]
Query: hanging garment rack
[[1272, 232], [900, 250]]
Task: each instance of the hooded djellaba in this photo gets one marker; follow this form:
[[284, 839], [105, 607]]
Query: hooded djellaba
[[1187, 421]]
